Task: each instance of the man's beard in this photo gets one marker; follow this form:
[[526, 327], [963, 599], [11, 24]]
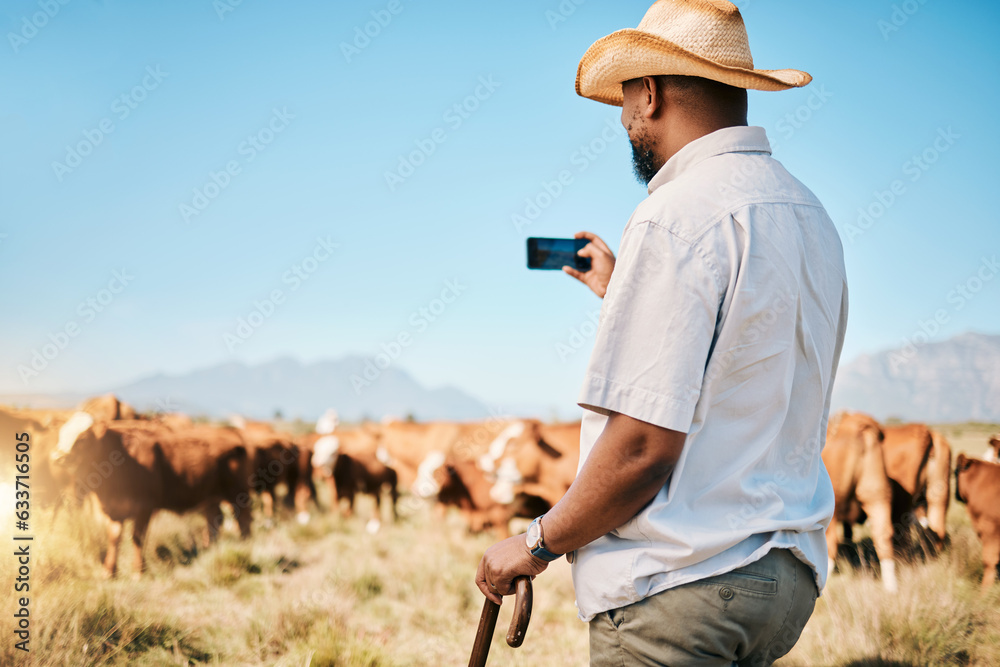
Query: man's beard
[[643, 160]]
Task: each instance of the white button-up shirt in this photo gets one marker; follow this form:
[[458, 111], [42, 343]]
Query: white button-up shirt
[[724, 319]]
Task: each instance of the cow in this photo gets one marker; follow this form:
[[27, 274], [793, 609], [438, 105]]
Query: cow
[[306, 488], [547, 457], [352, 462], [419, 450], [918, 462], [147, 468], [464, 485], [50, 486], [977, 484], [854, 459], [537, 464], [274, 458], [938, 488], [353, 475]]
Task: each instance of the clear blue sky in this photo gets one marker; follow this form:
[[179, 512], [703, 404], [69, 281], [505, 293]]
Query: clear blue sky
[[879, 98]]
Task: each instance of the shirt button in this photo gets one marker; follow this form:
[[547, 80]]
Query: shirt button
[[726, 593]]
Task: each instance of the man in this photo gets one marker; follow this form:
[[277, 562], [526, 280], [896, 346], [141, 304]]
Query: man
[[698, 515]]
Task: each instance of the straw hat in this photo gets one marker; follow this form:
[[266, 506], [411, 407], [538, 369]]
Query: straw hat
[[703, 38]]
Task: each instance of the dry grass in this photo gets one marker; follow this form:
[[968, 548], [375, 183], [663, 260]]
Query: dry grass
[[331, 594]]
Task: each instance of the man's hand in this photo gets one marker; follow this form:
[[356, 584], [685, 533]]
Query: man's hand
[[503, 563], [602, 262]]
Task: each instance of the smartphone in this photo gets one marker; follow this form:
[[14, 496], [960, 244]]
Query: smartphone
[[553, 254]]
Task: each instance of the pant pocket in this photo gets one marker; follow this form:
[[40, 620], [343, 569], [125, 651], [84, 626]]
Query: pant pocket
[[617, 617], [744, 582]]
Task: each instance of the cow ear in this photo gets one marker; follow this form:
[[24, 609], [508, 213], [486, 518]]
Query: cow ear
[[548, 449]]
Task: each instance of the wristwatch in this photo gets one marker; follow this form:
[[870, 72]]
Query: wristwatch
[[535, 541]]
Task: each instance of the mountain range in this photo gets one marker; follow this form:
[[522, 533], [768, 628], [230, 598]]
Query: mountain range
[[354, 386], [955, 380]]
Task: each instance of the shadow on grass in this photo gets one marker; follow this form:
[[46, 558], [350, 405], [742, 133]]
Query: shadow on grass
[[915, 547]]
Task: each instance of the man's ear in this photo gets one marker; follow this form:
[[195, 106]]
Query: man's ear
[[653, 102]]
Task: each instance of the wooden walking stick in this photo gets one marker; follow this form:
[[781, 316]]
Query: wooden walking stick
[[488, 623]]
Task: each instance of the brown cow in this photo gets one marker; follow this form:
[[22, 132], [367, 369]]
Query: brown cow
[[464, 485], [853, 456], [353, 475], [146, 468], [50, 486], [306, 489], [274, 458], [418, 450], [919, 462], [547, 457], [977, 484], [352, 462], [537, 464]]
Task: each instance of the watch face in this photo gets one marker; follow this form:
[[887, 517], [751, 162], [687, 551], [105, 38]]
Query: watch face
[[534, 535]]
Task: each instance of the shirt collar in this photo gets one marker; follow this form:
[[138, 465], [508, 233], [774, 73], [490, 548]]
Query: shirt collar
[[726, 140]]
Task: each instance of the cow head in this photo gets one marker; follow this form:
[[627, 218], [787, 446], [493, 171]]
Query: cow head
[[509, 476], [81, 440], [498, 447], [427, 483], [325, 453]]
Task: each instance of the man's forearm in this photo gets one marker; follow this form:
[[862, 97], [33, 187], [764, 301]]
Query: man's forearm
[[628, 466]]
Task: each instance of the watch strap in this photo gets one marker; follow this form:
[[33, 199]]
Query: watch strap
[[539, 551], [545, 554]]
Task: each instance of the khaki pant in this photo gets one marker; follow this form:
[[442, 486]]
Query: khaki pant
[[748, 617]]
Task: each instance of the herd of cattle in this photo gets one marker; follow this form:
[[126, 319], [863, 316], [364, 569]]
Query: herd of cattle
[[897, 478], [491, 471]]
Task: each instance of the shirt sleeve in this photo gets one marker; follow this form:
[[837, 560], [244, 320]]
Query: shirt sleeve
[[656, 332]]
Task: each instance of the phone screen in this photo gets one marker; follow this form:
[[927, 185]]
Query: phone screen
[[553, 254]]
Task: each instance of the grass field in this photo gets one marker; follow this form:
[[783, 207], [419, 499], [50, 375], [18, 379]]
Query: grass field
[[332, 594]]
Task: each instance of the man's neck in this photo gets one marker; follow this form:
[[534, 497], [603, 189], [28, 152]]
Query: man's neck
[[680, 136]]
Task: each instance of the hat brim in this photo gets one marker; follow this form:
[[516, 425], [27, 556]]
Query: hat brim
[[632, 54]]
